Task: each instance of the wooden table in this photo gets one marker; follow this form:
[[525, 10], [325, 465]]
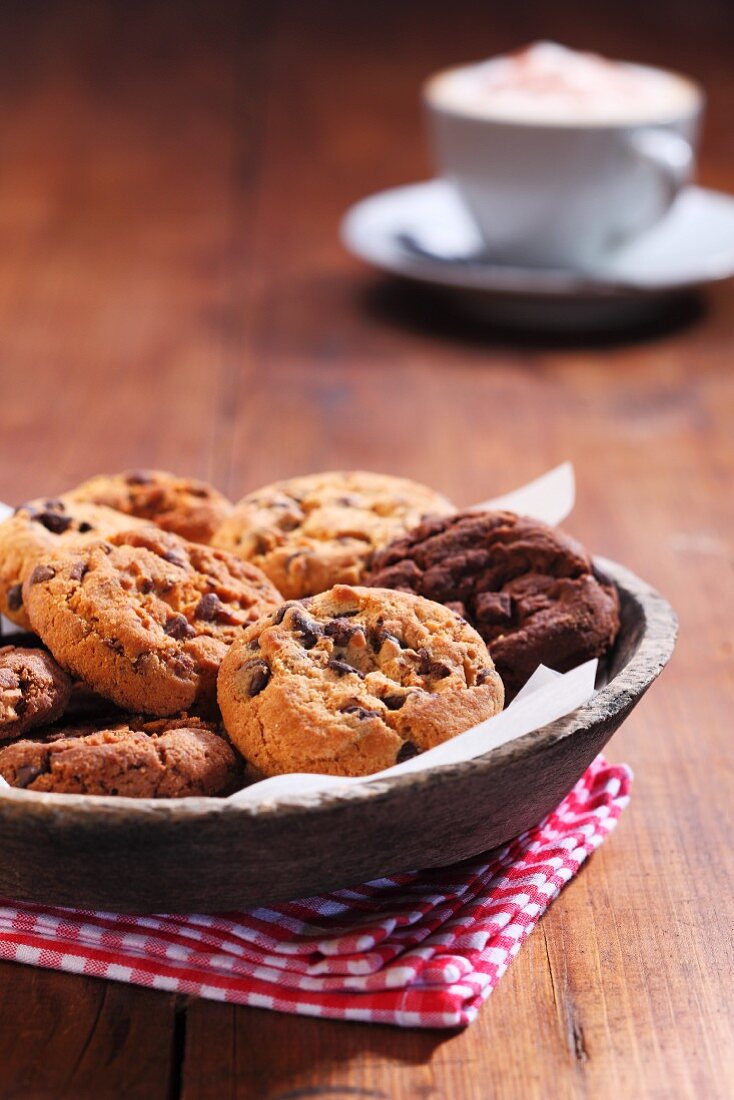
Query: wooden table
[[172, 292]]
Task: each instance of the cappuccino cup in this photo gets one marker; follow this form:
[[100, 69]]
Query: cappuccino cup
[[560, 156]]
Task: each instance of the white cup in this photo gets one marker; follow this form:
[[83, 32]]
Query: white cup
[[561, 193]]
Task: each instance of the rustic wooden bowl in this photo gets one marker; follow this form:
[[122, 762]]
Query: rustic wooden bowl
[[202, 854]]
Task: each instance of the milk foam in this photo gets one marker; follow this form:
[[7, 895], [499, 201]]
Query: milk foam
[[548, 83]]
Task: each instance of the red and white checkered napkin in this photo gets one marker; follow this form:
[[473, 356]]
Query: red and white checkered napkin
[[422, 949]]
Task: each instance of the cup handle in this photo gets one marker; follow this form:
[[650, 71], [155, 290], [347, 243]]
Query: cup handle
[[668, 154]]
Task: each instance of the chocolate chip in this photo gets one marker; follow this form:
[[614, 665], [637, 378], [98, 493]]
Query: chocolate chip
[[42, 573], [254, 644], [280, 613], [15, 597], [261, 544], [406, 752], [78, 570], [379, 637], [340, 631], [394, 702], [341, 668], [178, 628], [483, 675], [288, 523], [175, 557], [84, 527], [361, 712], [209, 607], [54, 522], [308, 630], [25, 774], [183, 665], [428, 667], [145, 585], [255, 676]]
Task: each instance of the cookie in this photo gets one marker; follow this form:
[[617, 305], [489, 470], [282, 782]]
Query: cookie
[[41, 527], [310, 533], [529, 589], [353, 681], [144, 618], [138, 759], [187, 507], [34, 691]]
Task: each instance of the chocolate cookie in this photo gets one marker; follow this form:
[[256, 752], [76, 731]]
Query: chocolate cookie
[[310, 533], [353, 681], [138, 759], [144, 618], [41, 527], [189, 508], [34, 691], [528, 589]]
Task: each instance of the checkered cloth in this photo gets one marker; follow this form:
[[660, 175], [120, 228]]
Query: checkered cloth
[[422, 949]]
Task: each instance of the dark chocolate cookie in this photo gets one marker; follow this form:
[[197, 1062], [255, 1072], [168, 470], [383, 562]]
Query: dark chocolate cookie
[[529, 589]]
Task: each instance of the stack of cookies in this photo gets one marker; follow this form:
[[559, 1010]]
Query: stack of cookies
[[338, 623]]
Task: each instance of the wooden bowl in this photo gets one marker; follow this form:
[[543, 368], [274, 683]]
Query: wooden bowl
[[203, 854]]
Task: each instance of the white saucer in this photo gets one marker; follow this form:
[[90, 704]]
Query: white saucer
[[423, 232]]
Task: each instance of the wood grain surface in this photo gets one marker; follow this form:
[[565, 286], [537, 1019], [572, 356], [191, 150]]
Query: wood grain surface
[[172, 291]]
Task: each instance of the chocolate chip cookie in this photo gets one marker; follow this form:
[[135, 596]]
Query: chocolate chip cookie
[[138, 759], [187, 507], [34, 691], [310, 533], [352, 681], [529, 589], [40, 527], [144, 618]]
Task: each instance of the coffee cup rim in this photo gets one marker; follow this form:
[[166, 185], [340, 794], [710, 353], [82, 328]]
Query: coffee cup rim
[[430, 100]]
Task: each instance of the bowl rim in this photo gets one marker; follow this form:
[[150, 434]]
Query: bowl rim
[[652, 653]]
